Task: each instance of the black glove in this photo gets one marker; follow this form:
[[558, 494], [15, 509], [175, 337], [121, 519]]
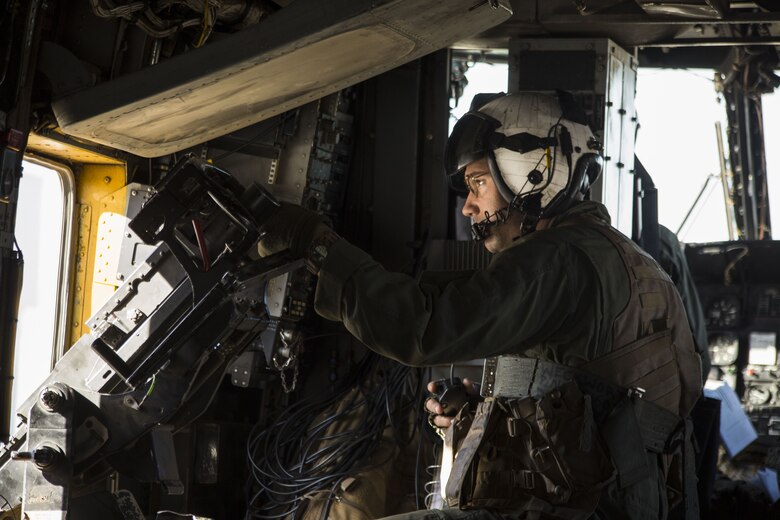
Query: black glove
[[290, 227]]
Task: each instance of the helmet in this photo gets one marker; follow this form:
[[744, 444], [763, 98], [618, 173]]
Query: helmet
[[539, 147]]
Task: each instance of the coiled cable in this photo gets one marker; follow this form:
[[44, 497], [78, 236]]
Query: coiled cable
[[315, 444]]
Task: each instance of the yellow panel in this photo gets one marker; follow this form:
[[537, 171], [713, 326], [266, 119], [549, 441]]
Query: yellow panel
[[80, 274], [49, 147], [101, 192]]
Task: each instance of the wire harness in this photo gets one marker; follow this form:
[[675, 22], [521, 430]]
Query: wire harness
[[315, 444]]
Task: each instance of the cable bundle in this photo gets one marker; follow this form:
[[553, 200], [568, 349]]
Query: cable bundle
[[315, 444]]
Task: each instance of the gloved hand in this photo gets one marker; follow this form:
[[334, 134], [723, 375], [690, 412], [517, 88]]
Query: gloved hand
[[291, 227], [436, 417]]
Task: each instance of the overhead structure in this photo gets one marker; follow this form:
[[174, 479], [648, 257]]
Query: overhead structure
[[299, 54]]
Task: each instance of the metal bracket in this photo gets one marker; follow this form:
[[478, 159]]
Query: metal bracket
[[49, 438], [165, 457]]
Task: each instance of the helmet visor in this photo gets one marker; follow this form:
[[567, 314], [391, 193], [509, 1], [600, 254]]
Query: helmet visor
[[468, 142]]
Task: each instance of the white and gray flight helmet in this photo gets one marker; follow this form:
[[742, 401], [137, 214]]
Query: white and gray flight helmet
[[540, 150]]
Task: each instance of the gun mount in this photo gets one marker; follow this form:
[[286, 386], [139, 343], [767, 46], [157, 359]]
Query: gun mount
[[157, 350]]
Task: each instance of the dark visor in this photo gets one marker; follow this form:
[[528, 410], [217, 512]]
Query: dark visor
[[468, 142]]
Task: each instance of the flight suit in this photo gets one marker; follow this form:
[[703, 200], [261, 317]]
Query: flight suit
[[558, 294]]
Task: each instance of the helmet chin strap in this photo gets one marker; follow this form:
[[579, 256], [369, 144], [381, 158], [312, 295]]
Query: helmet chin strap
[[481, 230], [528, 206]]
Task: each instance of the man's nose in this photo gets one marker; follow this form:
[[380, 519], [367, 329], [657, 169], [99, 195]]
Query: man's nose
[[470, 208]]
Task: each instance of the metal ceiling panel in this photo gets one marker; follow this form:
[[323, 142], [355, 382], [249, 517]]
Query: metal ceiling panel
[[690, 8], [303, 52]]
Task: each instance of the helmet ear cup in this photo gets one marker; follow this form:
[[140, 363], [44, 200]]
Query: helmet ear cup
[[585, 171], [591, 165]]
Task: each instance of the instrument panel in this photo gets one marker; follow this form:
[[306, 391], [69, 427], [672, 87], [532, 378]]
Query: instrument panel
[[739, 289], [723, 313]]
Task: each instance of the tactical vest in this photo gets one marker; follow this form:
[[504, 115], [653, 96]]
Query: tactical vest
[[652, 344], [538, 441]]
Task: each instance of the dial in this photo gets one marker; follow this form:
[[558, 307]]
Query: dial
[[758, 395], [723, 313], [724, 349]]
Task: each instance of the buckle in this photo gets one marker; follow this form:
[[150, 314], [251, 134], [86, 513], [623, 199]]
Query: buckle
[[516, 426], [523, 479], [540, 456], [636, 393]]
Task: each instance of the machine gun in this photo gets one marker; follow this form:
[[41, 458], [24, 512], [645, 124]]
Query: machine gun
[[157, 350]]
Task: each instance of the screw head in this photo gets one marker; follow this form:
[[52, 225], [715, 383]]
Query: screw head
[[135, 315], [52, 399]]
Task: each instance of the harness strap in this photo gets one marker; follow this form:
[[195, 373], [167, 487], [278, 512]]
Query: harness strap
[[465, 456], [622, 433], [515, 376]]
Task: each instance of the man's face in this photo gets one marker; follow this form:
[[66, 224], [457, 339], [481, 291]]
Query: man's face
[[484, 198]]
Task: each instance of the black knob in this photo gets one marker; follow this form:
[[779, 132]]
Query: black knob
[[42, 457], [451, 394]]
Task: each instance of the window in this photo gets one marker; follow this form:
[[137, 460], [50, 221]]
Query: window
[[677, 143], [771, 108], [482, 77], [44, 231]]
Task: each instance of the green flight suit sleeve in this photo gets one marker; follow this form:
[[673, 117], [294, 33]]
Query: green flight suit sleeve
[[520, 299]]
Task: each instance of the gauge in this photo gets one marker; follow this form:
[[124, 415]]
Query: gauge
[[723, 313], [758, 395], [724, 349]]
